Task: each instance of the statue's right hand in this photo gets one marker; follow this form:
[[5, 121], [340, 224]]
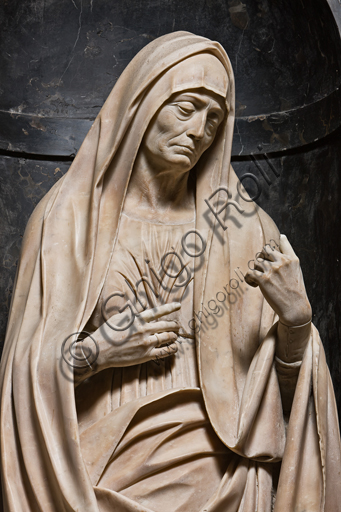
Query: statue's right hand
[[146, 339]]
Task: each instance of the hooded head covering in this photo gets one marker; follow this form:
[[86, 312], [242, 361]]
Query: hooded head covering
[[65, 256], [66, 252]]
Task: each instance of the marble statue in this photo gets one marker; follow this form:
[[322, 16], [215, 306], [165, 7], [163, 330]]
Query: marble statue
[[205, 385]]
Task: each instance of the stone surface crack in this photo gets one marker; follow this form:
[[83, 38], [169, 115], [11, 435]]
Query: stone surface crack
[[240, 44], [240, 138], [77, 38], [79, 25]]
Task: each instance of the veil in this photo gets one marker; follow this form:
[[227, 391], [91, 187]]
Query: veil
[[65, 255]]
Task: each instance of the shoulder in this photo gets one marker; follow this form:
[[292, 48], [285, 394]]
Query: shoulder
[[33, 231]]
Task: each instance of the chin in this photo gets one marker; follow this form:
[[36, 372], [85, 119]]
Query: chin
[[182, 162]]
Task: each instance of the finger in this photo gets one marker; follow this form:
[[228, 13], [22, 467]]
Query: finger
[[159, 339], [264, 265], [265, 256], [261, 266], [268, 253], [163, 326], [162, 352], [286, 247], [268, 250], [165, 309], [253, 278]]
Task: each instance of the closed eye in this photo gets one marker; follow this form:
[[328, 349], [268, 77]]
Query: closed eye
[[214, 118], [185, 107], [213, 122]]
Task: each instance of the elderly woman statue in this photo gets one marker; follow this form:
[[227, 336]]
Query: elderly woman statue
[[199, 392]]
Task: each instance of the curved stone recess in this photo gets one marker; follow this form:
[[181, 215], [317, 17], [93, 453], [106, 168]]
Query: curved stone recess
[[266, 133], [286, 57]]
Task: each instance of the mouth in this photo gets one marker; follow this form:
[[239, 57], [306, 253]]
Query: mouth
[[186, 150]]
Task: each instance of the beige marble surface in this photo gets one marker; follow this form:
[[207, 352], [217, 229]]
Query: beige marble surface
[[217, 396]]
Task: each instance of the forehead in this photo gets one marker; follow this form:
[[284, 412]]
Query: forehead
[[202, 70]]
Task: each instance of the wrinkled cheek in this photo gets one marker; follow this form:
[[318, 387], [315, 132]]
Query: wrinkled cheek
[[156, 144], [205, 145], [164, 149]]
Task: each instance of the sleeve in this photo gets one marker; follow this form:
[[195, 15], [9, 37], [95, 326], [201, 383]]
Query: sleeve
[[291, 344]]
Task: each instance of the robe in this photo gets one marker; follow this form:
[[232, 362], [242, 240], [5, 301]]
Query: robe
[[47, 463]]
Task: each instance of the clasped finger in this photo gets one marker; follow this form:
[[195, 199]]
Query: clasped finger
[[166, 351], [163, 326], [160, 339]]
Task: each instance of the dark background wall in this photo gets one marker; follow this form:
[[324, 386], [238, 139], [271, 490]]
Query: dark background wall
[[61, 58]]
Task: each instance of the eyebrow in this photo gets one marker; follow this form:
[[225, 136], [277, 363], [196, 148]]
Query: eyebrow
[[190, 95], [197, 98]]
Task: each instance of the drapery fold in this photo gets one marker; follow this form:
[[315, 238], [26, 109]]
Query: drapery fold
[[65, 256]]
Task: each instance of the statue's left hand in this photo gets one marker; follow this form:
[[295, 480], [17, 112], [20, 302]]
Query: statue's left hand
[[279, 276]]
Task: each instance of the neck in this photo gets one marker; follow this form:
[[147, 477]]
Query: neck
[[164, 195]]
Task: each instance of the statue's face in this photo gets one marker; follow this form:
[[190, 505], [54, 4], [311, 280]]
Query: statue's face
[[183, 129]]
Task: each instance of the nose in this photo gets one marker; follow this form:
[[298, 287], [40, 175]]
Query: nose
[[197, 125]]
